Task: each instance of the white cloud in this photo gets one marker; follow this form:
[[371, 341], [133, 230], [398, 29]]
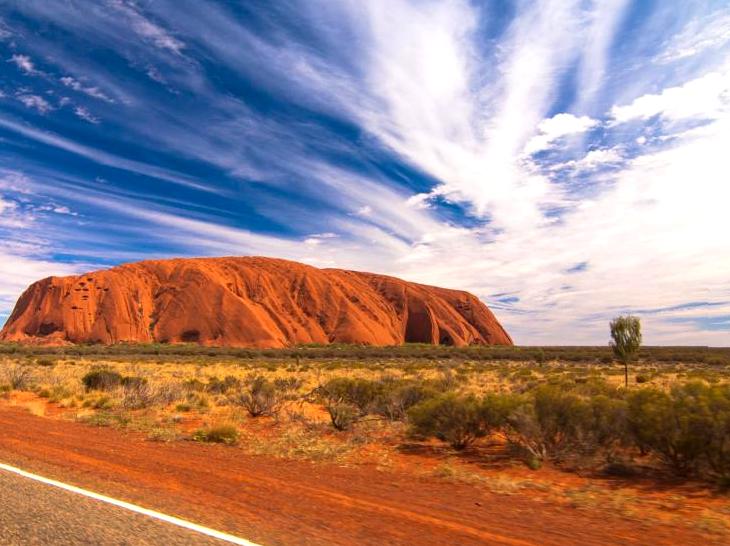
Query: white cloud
[[707, 97], [154, 74], [84, 114], [419, 80], [420, 200], [592, 160], [7, 205], [603, 21], [58, 209], [18, 271], [35, 102], [147, 29], [5, 32], [92, 91], [463, 118], [698, 36], [558, 126], [24, 63]]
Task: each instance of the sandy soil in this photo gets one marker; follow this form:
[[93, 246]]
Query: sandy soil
[[275, 501]]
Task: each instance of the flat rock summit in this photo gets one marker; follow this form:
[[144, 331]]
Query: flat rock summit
[[246, 302]]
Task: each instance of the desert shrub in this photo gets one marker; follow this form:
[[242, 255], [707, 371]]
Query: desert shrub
[[552, 423], [194, 385], [101, 403], [642, 378], [132, 381], [16, 375], [46, 362], [222, 386], [199, 401], [137, 395], [656, 426], [397, 396], [360, 393], [167, 392], [219, 434], [59, 393], [259, 396], [101, 380], [343, 416], [606, 426], [544, 423], [387, 397], [687, 428], [289, 384], [458, 420], [717, 449]]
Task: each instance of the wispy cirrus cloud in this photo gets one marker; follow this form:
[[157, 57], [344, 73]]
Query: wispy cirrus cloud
[[92, 91], [36, 102], [24, 63], [535, 152], [84, 114]]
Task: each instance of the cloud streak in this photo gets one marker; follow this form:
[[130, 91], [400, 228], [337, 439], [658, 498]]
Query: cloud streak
[[561, 159]]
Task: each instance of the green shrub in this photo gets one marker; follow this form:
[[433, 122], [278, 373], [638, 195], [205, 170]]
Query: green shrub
[[552, 423], [222, 386], [260, 397], [458, 420], [360, 393], [687, 428], [101, 380], [219, 434], [717, 450], [343, 416], [397, 396]]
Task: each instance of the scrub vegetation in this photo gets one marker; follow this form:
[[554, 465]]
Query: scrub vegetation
[[509, 419], [567, 406]]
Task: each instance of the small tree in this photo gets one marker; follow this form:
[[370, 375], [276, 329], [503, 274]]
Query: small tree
[[626, 335]]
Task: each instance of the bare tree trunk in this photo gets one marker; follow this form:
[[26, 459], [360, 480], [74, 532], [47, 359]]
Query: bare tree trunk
[[626, 374]]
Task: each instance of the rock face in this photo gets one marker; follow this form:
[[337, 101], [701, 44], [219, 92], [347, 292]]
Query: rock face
[[246, 302]]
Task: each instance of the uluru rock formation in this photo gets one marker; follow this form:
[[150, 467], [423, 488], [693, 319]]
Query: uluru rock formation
[[246, 302]]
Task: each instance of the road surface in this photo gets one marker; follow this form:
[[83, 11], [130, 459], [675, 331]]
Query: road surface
[[36, 513], [270, 501]]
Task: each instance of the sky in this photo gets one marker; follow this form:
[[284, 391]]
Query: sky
[[566, 161]]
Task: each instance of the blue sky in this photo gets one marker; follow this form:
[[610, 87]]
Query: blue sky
[[564, 160]]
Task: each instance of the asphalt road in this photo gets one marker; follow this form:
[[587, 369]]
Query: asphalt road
[[32, 513]]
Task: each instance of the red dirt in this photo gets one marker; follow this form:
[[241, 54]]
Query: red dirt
[[246, 302], [275, 501]]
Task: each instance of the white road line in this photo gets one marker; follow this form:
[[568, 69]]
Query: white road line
[[131, 507]]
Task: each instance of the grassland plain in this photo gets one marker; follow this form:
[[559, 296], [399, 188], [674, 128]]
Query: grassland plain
[[548, 422]]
